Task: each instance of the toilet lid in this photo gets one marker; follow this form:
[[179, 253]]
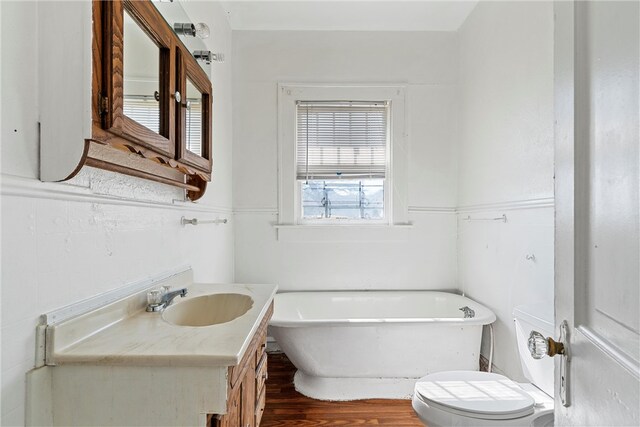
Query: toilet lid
[[475, 394]]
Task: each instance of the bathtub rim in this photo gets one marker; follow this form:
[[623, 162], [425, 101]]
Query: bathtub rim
[[485, 317]]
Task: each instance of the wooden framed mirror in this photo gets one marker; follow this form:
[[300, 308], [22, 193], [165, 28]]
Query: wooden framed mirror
[[150, 98], [195, 115], [137, 75]]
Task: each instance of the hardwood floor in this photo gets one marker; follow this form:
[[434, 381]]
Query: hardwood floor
[[287, 408]]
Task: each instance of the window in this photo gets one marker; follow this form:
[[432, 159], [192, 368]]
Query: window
[[342, 155], [341, 159]]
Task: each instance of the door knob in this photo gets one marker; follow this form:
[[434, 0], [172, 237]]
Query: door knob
[[539, 346]]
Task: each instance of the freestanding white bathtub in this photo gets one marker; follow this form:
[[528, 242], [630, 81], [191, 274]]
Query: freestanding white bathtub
[[375, 344]]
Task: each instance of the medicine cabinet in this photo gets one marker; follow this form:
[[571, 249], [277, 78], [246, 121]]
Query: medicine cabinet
[[148, 100]]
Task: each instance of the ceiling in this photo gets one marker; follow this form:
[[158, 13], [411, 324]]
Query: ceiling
[[348, 15]]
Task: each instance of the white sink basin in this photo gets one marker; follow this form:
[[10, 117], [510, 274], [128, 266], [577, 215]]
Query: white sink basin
[[208, 310]]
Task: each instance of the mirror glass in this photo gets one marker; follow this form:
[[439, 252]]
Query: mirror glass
[[141, 70], [193, 121]]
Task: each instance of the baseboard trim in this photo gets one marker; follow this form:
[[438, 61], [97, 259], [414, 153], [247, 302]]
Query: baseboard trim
[[484, 366]]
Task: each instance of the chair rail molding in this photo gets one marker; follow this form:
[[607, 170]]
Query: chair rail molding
[[545, 202], [432, 209], [267, 210], [30, 188], [538, 203]]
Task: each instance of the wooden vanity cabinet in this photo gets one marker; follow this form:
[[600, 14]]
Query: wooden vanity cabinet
[[247, 384]]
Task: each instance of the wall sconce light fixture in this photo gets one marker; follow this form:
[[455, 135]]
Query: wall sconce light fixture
[[200, 29], [207, 56]]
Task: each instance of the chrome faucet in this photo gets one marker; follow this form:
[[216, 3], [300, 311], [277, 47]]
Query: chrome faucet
[[166, 299]]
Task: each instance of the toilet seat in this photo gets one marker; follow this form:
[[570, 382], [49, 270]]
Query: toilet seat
[[473, 394]]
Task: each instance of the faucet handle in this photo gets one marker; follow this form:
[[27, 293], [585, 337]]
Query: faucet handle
[[154, 297], [154, 300]]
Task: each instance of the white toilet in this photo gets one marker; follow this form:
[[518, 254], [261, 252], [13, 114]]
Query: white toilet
[[472, 398]]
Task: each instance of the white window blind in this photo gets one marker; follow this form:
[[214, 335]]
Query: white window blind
[[341, 139], [194, 126], [144, 110]]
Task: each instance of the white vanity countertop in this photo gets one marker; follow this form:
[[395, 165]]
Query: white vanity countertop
[[135, 337]]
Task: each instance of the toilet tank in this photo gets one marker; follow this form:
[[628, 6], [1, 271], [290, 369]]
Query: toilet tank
[[535, 318]]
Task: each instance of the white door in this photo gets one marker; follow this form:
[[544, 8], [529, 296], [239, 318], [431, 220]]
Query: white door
[[597, 45]]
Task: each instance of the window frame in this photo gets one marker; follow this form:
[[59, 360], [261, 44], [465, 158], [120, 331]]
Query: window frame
[[395, 182]]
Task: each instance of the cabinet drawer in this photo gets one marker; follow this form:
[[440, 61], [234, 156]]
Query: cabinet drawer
[[261, 337], [261, 375], [261, 349], [236, 372], [260, 406]]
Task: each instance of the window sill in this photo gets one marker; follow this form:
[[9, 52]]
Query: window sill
[[340, 226], [342, 232]]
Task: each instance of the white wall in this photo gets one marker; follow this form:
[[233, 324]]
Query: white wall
[[506, 162], [422, 257], [66, 242]]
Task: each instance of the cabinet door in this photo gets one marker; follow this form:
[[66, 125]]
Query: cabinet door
[[194, 115], [234, 410], [137, 83], [260, 384], [249, 397]]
